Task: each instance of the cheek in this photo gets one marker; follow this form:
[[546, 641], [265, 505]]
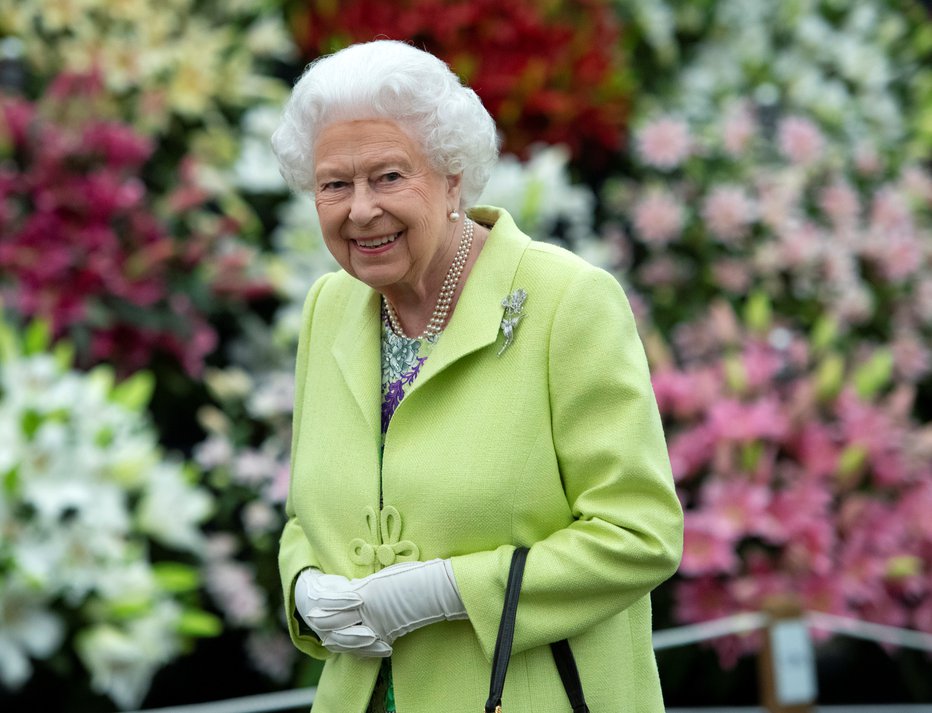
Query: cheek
[[329, 219], [330, 229], [338, 248]]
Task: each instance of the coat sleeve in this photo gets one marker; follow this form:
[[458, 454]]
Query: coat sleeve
[[627, 533], [295, 552]]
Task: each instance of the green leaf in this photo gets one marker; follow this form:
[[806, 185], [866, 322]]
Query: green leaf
[[11, 481], [104, 437], [874, 375], [132, 608], [824, 333], [903, 566], [829, 376], [735, 375], [758, 313], [751, 454], [9, 344], [851, 463], [30, 423], [63, 353], [199, 624], [176, 577], [191, 473], [923, 39], [38, 337], [102, 377], [135, 392]]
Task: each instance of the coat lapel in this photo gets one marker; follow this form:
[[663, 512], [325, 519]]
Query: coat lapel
[[357, 352], [477, 319]]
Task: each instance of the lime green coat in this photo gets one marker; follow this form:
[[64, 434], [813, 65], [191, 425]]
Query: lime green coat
[[556, 444]]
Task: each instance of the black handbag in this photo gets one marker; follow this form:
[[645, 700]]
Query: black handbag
[[562, 654]]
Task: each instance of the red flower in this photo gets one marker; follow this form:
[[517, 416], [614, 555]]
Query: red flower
[[547, 73], [83, 244]]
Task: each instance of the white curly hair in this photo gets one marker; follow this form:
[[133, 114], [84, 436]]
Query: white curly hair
[[387, 79]]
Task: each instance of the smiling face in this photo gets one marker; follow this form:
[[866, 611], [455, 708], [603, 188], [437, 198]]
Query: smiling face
[[383, 210]]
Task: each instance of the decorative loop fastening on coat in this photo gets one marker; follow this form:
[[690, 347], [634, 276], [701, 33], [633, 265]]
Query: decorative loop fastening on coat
[[392, 548], [361, 552]]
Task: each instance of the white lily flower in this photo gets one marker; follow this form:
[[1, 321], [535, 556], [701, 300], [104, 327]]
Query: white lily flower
[[119, 667], [540, 195], [85, 484], [171, 509], [27, 631]]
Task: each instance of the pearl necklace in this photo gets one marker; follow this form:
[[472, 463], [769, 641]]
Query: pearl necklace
[[445, 298]]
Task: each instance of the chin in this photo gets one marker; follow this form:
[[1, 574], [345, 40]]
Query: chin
[[378, 281]]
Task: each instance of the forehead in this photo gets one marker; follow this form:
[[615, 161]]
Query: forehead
[[364, 143]]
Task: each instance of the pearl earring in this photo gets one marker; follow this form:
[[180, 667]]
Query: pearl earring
[[454, 216]]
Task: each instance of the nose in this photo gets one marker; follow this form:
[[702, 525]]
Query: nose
[[365, 207]]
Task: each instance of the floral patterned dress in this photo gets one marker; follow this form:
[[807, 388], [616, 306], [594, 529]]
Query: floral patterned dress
[[402, 359]]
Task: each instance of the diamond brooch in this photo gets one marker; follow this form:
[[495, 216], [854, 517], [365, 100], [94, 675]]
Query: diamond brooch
[[513, 304]]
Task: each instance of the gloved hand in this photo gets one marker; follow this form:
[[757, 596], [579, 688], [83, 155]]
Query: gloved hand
[[399, 599], [325, 602]]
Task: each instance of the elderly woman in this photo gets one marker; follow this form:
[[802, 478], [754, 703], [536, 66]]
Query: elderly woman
[[461, 390]]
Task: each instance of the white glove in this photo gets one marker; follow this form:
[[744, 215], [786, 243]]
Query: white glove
[[325, 601], [399, 599]]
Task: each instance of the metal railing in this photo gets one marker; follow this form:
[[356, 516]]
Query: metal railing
[[301, 699]]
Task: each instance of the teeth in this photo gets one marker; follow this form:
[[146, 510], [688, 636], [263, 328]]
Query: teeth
[[377, 242]]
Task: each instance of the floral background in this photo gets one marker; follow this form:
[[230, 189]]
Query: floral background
[[756, 174]]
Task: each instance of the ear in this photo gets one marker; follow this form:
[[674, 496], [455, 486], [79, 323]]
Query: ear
[[454, 185]]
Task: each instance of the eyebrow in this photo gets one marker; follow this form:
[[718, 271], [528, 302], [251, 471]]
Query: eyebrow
[[398, 160]]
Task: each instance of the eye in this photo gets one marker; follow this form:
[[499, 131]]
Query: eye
[[391, 177], [332, 185]]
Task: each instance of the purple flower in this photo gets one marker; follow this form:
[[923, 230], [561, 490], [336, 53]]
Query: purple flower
[[393, 396], [408, 377]]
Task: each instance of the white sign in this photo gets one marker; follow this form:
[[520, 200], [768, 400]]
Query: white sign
[[793, 662]]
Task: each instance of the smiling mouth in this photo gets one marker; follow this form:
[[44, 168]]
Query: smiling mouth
[[378, 242]]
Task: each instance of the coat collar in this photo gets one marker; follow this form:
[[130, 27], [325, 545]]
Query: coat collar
[[475, 322]]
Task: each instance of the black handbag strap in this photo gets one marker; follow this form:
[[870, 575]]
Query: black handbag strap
[[506, 631], [569, 674], [562, 654]]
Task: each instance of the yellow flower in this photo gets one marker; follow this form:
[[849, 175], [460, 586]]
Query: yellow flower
[[268, 37], [122, 64], [160, 59], [195, 76], [75, 54], [61, 15], [190, 88], [160, 31], [132, 12], [14, 17]]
